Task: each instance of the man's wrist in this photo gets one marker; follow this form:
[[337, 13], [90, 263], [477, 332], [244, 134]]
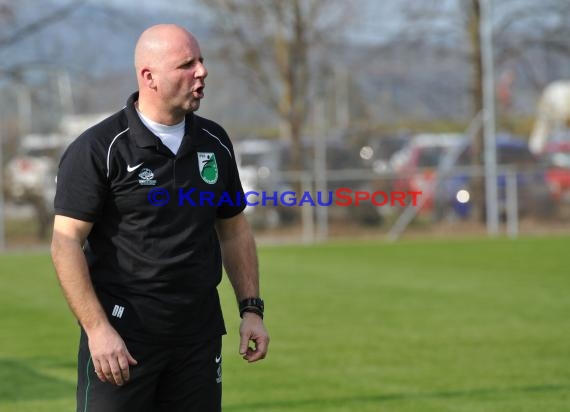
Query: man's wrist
[[252, 305], [95, 326]]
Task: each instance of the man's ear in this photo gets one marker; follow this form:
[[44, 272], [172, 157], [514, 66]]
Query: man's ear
[[148, 78]]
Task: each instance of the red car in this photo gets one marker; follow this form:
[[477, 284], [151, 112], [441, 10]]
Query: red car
[[415, 164], [556, 155]]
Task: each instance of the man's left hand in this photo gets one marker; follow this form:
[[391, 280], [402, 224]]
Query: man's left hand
[[252, 329]]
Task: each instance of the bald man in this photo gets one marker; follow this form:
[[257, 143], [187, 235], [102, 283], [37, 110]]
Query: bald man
[[147, 205]]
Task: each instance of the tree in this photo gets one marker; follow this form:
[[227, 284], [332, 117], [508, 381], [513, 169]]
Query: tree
[[276, 47], [526, 36], [20, 23], [14, 31], [525, 32], [17, 25]]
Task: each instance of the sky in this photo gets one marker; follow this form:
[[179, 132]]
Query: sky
[[98, 40], [98, 22], [371, 25]]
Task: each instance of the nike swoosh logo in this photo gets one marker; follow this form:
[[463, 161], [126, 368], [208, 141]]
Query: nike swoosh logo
[[218, 359], [133, 168]]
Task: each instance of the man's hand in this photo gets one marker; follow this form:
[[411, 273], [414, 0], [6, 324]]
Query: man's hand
[[110, 355], [252, 329], [111, 358]]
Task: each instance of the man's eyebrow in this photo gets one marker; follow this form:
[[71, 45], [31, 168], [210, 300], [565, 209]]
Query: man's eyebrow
[[192, 60]]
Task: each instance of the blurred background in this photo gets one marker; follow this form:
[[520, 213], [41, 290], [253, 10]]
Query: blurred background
[[317, 96], [467, 101]]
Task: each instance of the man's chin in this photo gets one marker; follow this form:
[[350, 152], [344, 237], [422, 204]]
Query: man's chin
[[193, 106]]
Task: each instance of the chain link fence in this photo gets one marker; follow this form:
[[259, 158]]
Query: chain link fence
[[360, 203]]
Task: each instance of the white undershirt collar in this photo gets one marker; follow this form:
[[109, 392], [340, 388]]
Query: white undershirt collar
[[171, 136]]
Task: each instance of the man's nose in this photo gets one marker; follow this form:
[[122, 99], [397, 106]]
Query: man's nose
[[201, 71]]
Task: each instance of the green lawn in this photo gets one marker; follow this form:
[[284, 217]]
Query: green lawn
[[470, 325]]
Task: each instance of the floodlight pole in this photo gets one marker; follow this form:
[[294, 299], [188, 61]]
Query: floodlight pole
[[491, 192], [320, 169], [2, 203]]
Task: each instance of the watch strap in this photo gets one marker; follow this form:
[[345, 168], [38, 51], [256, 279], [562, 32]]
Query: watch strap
[[254, 305]]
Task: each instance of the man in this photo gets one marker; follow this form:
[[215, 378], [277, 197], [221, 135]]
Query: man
[[138, 253]]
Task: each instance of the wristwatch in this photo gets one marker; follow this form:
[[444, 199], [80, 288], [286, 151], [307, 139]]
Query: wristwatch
[[254, 305]]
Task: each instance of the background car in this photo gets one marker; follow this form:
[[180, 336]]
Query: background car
[[376, 152], [30, 174], [454, 192], [556, 159], [265, 166], [416, 163], [261, 165]]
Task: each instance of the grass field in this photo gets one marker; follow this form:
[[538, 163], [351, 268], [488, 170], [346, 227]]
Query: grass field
[[471, 325]]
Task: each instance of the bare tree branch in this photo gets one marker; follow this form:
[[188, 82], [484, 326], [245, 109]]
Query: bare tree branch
[[274, 48], [39, 24]]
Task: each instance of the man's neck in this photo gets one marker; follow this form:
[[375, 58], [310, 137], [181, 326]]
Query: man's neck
[[162, 117]]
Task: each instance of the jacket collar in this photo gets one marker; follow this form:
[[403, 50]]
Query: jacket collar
[[144, 137]]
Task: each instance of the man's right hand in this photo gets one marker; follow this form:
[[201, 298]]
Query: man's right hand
[[110, 355]]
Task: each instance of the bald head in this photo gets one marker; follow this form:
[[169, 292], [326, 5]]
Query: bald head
[[158, 42], [170, 73]]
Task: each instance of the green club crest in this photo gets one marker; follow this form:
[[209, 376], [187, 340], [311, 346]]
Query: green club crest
[[208, 167]]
